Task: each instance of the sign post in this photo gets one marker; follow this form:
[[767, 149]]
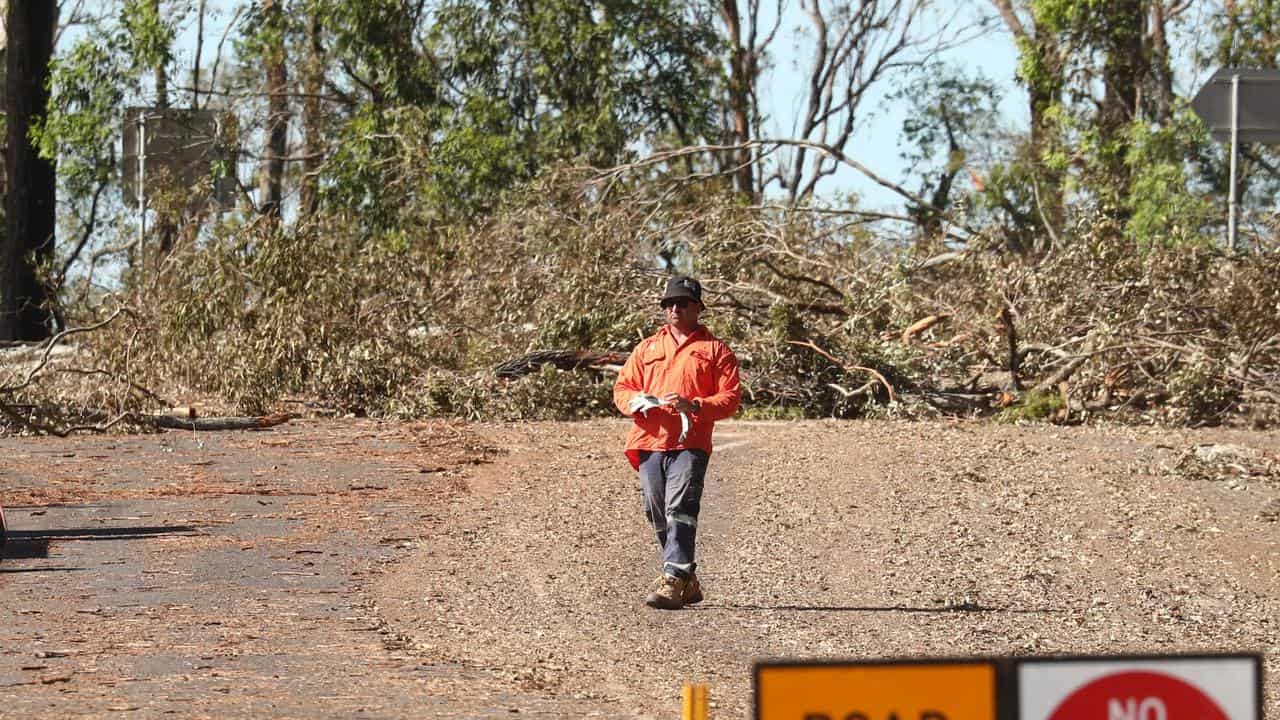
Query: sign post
[[1239, 105]]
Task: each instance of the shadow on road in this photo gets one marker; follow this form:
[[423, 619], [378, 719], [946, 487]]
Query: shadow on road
[[947, 609], [7, 571], [24, 549], [34, 544], [102, 533]]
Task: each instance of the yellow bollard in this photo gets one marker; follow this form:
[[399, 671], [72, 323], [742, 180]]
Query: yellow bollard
[[695, 701]]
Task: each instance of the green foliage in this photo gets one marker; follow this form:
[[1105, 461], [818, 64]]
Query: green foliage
[[151, 31], [462, 103], [1033, 407], [1247, 34], [263, 35], [1166, 207], [566, 81], [1108, 134], [90, 82], [773, 412], [554, 394], [82, 120], [378, 44]]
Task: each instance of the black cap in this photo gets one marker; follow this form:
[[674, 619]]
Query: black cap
[[683, 287]]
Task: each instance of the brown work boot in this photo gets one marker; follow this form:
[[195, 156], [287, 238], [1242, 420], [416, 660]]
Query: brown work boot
[[692, 590], [669, 595]]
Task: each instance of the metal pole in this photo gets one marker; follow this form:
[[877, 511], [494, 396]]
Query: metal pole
[[1235, 138]]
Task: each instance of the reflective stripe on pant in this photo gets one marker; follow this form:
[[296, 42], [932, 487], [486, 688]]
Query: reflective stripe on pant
[[672, 484]]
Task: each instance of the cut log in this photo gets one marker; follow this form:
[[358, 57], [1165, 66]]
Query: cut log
[[212, 423], [562, 359]]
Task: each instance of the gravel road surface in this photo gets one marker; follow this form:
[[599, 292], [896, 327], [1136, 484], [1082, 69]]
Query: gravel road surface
[[351, 568]]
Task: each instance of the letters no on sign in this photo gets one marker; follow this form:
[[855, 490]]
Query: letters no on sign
[[1138, 695]]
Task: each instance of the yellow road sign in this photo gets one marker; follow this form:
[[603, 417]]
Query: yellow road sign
[[876, 691]]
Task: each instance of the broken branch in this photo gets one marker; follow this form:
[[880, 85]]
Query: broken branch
[[851, 369]]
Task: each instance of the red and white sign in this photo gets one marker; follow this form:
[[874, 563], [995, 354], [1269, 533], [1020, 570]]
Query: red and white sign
[[1205, 688]]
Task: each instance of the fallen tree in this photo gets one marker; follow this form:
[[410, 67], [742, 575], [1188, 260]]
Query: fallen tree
[[828, 318]]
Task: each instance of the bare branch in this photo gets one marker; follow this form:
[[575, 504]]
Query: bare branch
[[854, 47], [213, 73], [89, 227], [612, 174], [847, 368], [52, 343], [1011, 19]]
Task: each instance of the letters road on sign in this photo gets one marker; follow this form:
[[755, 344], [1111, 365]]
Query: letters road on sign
[[961, 690], [1182, 688]]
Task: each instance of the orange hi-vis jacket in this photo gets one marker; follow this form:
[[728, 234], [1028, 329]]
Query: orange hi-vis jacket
[[702, 369]]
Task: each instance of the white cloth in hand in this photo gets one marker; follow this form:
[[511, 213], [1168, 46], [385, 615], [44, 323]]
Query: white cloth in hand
[[643, 402]]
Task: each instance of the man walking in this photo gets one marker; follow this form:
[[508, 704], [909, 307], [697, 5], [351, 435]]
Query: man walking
[[676, 384]]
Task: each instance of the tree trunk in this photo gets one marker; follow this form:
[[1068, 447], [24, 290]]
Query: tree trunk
[[742, 72], [313, 131], [162, 73], [277, 128], [31, 180], [166, 228], [1123, 71], [1160, 104]]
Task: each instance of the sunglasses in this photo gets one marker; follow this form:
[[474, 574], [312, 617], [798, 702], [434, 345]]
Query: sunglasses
[[682, 304]]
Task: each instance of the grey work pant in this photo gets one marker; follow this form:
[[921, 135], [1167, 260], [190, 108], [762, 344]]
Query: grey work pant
[[672, 484]]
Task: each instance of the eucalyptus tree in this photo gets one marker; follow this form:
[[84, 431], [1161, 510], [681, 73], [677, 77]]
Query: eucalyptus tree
[[449, 103], [561, 80], [30, 178], [748, 36], [1105, 121], [96, 72], [276, 79]]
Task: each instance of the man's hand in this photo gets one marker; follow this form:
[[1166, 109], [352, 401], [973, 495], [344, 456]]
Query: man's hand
[[679, 402]]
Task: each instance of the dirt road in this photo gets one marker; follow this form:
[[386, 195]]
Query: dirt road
[[352, 568]]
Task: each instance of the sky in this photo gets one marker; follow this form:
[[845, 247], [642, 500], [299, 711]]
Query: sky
[[877, 141]]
